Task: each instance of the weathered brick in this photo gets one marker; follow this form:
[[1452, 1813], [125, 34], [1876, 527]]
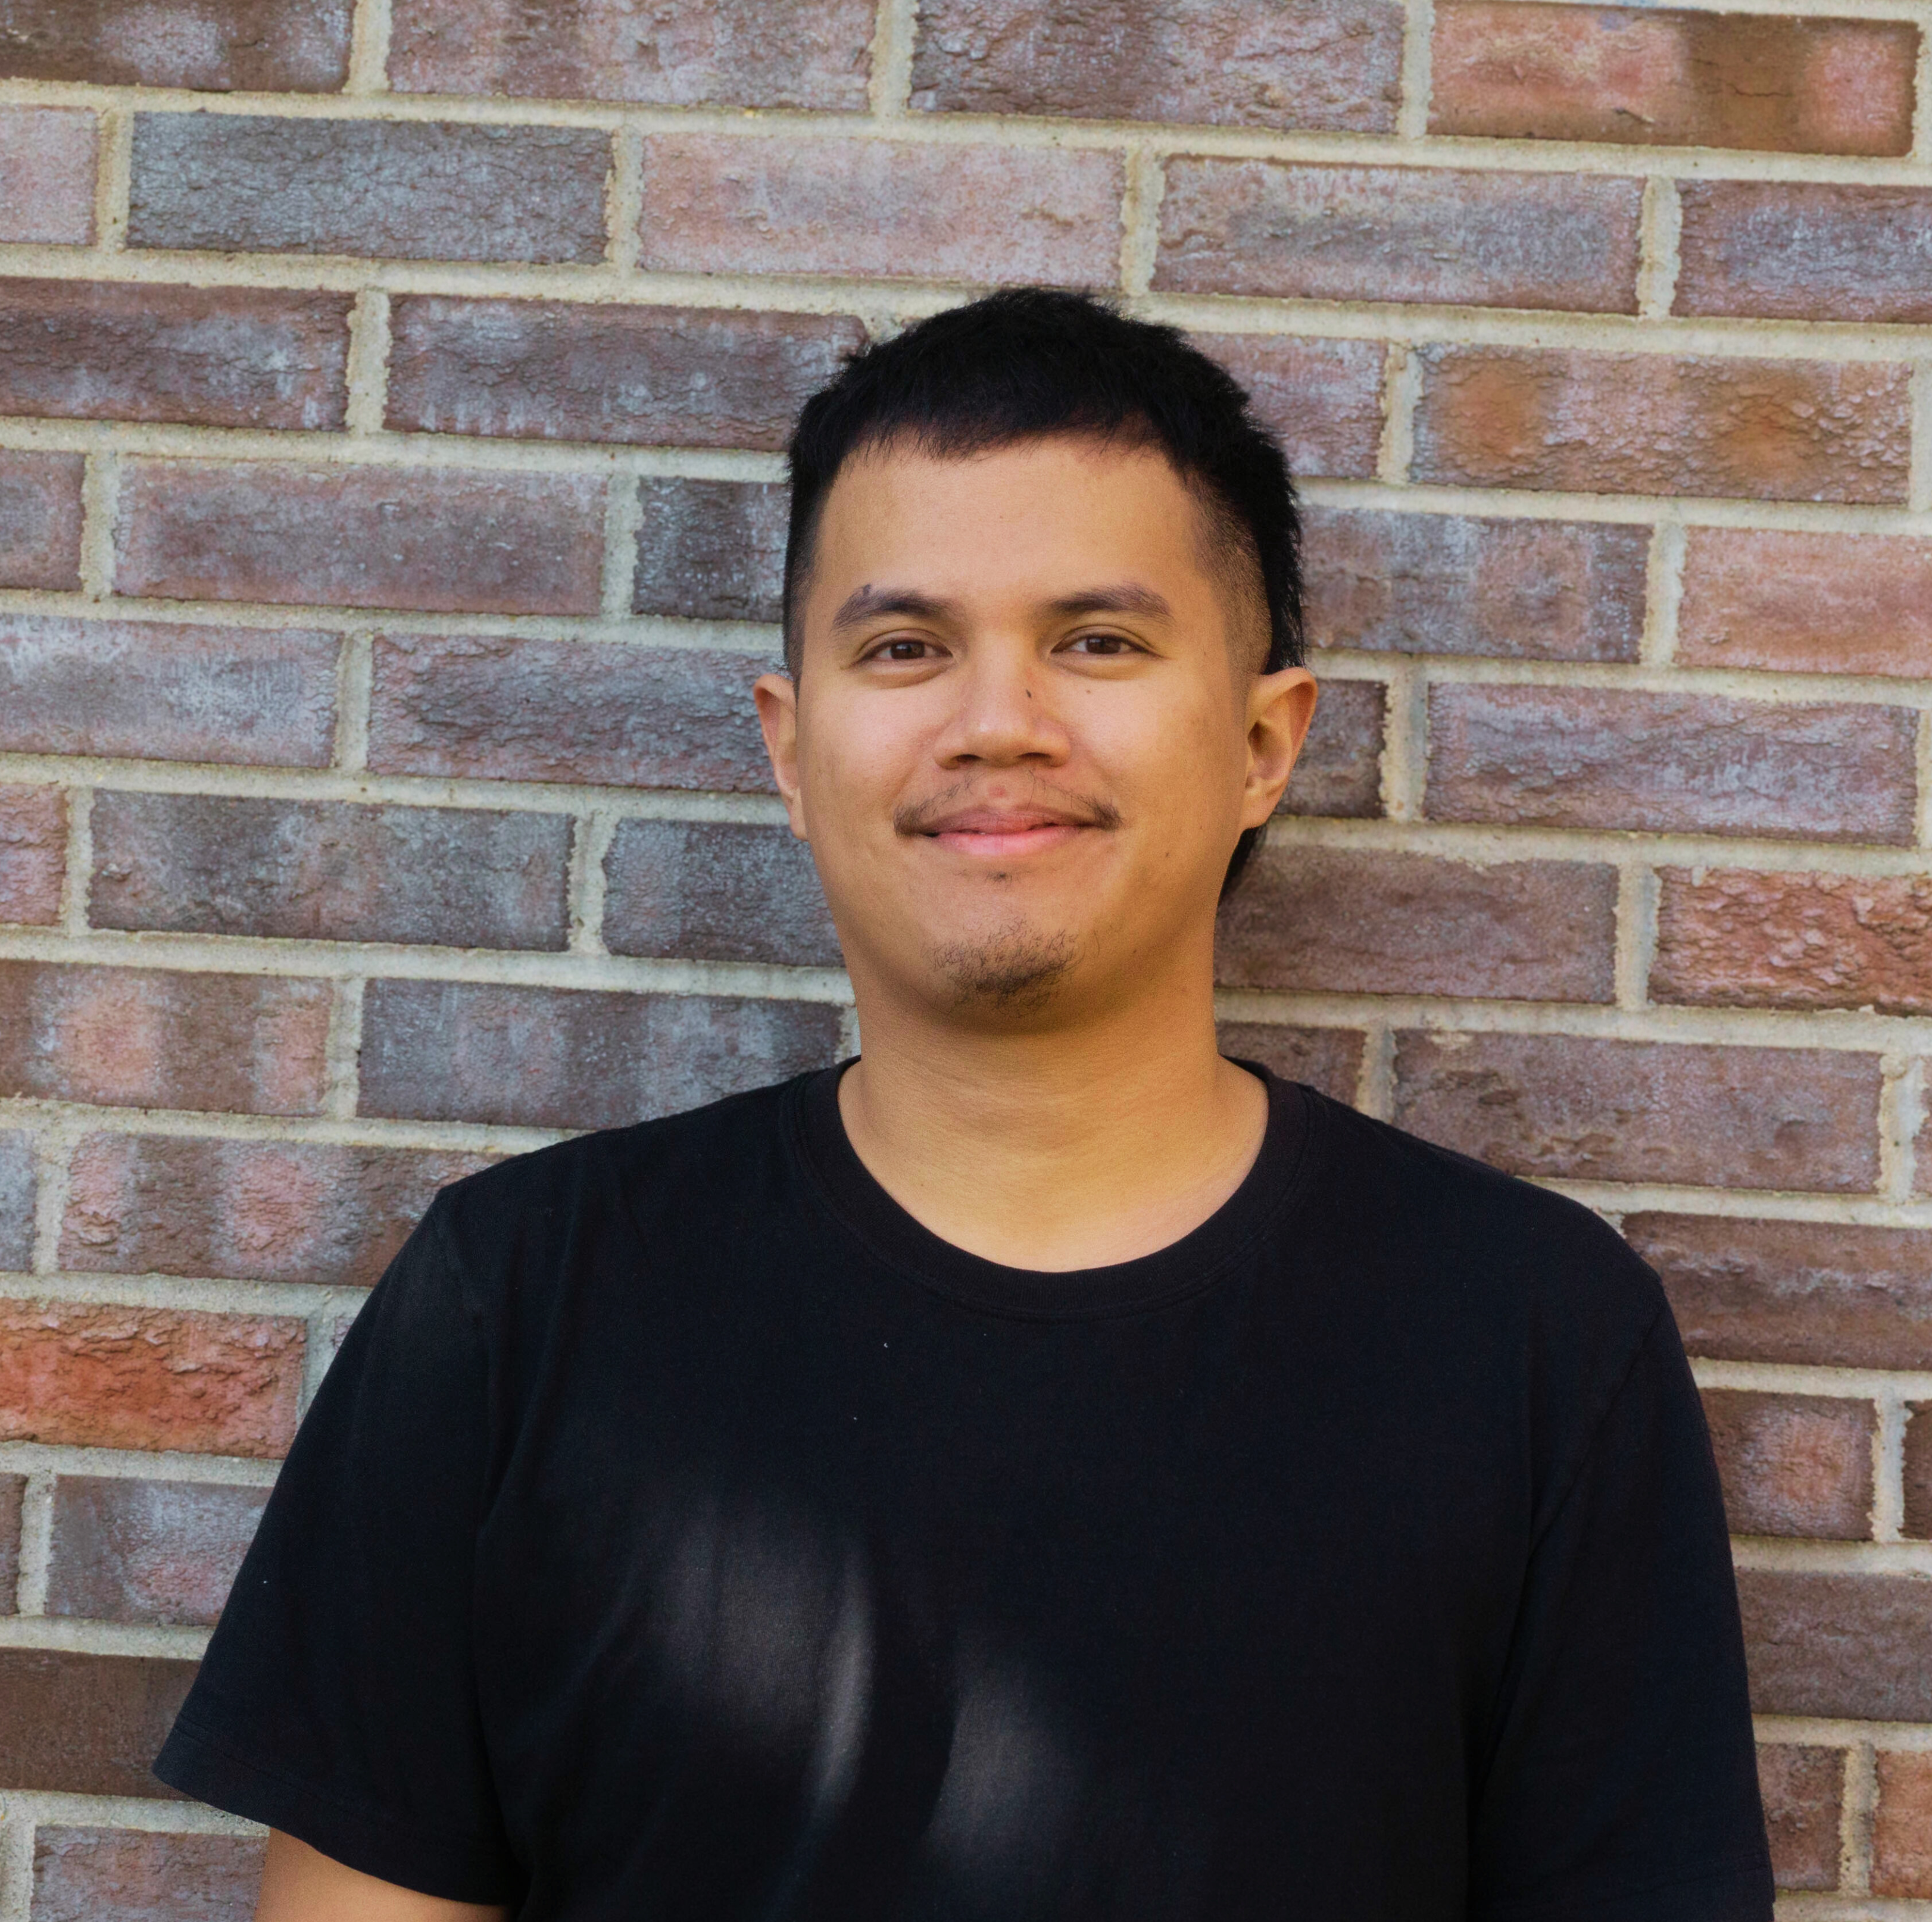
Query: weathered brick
[[716, 890], [567, 711], [1660, 79], [1683, 763], [1592, 1110], [1328, 1059], [389, 189], [440, 538], [1918, 1471], [40, 516], [1334, 65], [125, 1550], [800, 53], [1322, 399], [91, 1375], [46, 175], [224, 357], [717, 204], [124, 1037], [1439, 584], [712, 549], [1849, 1645], [1300, 232], [331, 870], [666, 377], [18, 1184], [1793, 1464], [1340, 774], [87, 1725], [151, 691], [259, 1211], [33, 853], [1806, 603], [1663, 423], [1902, 1824], [1350, 921], [559, 1058], [212, 46], [1804, 1791], [12, 1488], [83, 1875]]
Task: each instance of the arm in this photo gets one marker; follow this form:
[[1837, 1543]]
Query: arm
[[300, 1884]]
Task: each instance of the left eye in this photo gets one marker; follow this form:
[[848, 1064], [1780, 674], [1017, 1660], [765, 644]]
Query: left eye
[[1103, 643]]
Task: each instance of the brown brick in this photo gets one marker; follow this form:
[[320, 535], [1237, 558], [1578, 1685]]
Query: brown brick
[[125, 1550], [1349, 921], [1340, 774], [1848, 1645], [33, 853], [330, 870], [46, 175], [559, 1058], [1681, 763], [1335, 64], [567, 711], [1702, 80], [90, 1375], [86, 1725], [12, 1488], [1918, 1471], [800, 53], [213, 46], [1804, 1791], [17, 1186], [666, 377], [1439, 584], [82, 1875], [1793, 1464], [40, 518], [437, 538], [1322, 399], [151, 691], [1662, 423], [717, 204], [124, 1037], [1592, 1110], [225, 356], [389, 189], [713, 550], [1328, 1059], [1298, 231], [1806, 603], [716, 890], [1902, 1826], [259, 1211]]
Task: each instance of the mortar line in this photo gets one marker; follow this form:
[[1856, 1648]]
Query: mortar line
[[623, 520], [342, 1049], [1791, 1555], [1918, 490], [323, 1331], [99, 504], [77, 865], [624, 204], [37, 1533], [354, 674], [848, 1032], [1660, 227], [1888, 1469], [1894, 1177], [592, 834], [369, 50], [1418, 34], [1401, 389], [1811, 1378], [1636, 932], [17, 1861], [889, 77], [1842, 1732], [1405, 749], [1855, 1852], [271, 1300], [57, 1458], [1375, 1086], [1922, 759], [1144, 182], [77, 1636], [53, 1146], [1910, 1100], [1922, 141], [368, 372], [1663, 594], [113, 178]]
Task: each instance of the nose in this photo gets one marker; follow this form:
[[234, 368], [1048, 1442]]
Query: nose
[[1003, 713]]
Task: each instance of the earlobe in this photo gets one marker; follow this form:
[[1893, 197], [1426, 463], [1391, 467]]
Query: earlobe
[[777, 698], [1281, 706]]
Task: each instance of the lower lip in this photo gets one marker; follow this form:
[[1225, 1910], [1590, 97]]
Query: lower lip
[[1005, 846]]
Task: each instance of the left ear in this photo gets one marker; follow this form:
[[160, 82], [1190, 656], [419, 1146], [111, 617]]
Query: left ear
[[1280, 706]]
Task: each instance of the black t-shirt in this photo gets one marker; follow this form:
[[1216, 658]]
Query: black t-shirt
[[684, 1532]]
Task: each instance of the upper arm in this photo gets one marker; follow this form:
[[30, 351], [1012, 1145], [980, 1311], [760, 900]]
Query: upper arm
[[300, 1884]]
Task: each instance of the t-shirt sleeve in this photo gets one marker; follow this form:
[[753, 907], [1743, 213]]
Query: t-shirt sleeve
[[1622, 1781], [338, 1701]]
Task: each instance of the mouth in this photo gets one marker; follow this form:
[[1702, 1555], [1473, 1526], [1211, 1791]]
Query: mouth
[[997, 834]]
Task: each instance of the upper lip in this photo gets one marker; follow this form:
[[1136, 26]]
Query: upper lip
[[984, 819]]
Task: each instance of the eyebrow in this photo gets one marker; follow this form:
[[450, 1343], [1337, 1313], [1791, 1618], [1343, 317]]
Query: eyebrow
[[867, 603], [1124, 599]]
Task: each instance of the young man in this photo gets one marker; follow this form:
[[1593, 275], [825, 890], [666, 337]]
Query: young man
[[1043, 1470]]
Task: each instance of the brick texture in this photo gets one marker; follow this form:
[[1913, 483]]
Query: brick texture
[[33, 852], [1328, 1059], [1322, 399], [47, 160], [1902, 1825], [1918, 1471], [1849, 1645], [18, 1186], [39, 519], [1340, 773], [710, 549], [124, 1550], [81, 1874], [12, 1488], [86, 1725], [1794, 1464], [1804, 1791], [216, 46]]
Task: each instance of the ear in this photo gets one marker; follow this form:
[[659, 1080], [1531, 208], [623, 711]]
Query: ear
[[1280, 706], [777, 697]]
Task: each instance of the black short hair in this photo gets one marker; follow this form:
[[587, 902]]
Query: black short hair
[[1030, 362]]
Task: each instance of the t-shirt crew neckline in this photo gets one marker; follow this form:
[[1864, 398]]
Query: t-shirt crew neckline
[[1278, 1178]]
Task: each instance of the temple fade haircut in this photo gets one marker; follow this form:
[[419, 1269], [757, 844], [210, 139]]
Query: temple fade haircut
[[1031, 362]]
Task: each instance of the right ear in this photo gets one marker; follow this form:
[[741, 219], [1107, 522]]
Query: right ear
[[777, 697]]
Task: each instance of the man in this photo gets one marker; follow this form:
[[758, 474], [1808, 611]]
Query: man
[[1045, 1470]]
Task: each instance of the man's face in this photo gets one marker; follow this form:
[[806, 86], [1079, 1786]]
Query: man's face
[[1026, 729]]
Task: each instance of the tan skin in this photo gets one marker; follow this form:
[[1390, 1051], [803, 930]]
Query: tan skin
[[1028, 729]]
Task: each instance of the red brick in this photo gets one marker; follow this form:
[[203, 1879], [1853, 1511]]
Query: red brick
[[1328, 1059], [81, 1874], [1300, 232], [227, 357], [1663, 423], [17, 1186], [330, 870], [716, 890], [717, 204], [560, 1058], [125, 1550], [1848, 1645], [124, 1037], [151, 691], [12, 1488], [1753, 80], [1793, 1464], [259, 1211], [87, 1725], [46, 175], [1803, 1790], [438, 538], [213, 46], [1335, 64], [1340, 774], [1918, 1471], [90, 1375], [1322, 399], [40, 518], [389, 189], [1346, 921], [1806, 603], [800, 53], [1592, 1110], [1671, 763], [567, 711], [1902, 1825], [713, 549], [1439, 584], [33, 853], [666, 377]]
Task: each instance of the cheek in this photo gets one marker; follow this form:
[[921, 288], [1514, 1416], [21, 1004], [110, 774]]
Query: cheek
[[1178, 760]]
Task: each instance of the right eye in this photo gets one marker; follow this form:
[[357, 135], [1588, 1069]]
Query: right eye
[[904, 648]]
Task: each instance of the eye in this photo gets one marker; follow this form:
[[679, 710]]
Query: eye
[[1105, 646], [903, 647]]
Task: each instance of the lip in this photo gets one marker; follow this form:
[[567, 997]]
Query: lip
[[1002, 833]]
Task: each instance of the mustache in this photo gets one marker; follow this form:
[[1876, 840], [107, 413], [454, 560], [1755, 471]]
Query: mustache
[[1082, 810]]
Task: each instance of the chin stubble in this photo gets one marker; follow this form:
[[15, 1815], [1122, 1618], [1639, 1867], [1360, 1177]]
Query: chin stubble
[[1016, 972]]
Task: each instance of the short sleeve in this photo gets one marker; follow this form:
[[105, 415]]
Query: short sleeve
[[338, 1701], [1622, 1779]]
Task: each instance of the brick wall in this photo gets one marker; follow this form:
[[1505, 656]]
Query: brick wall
[[390, 398]]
